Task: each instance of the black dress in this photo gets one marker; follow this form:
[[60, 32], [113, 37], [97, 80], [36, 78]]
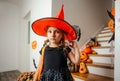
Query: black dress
[[55, 65]]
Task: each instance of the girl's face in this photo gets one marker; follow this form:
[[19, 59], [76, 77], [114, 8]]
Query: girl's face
[[54, 35]]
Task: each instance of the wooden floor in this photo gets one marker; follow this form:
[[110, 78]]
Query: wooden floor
[[13, 75], [91, 77], [9, 75]]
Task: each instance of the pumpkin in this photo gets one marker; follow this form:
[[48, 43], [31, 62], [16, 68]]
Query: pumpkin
[[83, 56], [113, 11], [26, 76], [89, 60], [88, 49], [34, 44], [83, 68], [111, 25]]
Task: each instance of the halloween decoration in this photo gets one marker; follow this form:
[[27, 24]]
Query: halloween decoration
[[34, 44], [34, 64], [111, 15], [112, 38], [26, 76], [83, 68], [85, 58], [111, 23], [78, 32], [93, 42], [40, 26], [113, 11], [88, 49], [89, 60]]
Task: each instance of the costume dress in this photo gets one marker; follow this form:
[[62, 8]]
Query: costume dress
[[55, 64]]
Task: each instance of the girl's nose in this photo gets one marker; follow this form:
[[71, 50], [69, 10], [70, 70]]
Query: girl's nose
[[53, 34]]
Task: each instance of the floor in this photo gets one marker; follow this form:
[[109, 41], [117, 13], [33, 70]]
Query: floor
[[9, 75], [13, 75], [91, 77]]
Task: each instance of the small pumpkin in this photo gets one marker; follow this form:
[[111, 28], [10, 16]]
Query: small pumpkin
[[83, 68], [88, 49], [34, 44], [83, 56], [111, 25], [89, 60], [113, 11]]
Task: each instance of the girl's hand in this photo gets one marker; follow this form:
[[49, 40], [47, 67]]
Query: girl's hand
[[73, 44], [75, 54]]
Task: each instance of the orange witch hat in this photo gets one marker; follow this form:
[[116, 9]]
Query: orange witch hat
[[40, 26]]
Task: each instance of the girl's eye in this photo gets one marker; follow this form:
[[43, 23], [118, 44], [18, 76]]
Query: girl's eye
[[49, 31], [57, 31]]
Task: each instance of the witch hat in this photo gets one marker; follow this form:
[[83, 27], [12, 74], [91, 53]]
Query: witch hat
[[40, 26]]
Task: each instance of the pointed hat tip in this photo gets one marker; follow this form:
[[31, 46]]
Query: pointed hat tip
[[62, 5], [61, 13]]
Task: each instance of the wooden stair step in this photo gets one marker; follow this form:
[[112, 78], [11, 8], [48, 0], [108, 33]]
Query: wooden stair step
[[91, 77], [101, 65], [102, 55], [101, 47]]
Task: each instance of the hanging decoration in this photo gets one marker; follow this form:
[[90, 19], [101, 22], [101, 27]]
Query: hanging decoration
[[34, 44]]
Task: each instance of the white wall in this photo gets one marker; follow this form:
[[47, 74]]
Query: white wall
[[37, 10], [24, 47], [89, 15], [117, 42], [9, 31], [40, 9]]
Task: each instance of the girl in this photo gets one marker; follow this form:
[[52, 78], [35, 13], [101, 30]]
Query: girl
[[56, 51]]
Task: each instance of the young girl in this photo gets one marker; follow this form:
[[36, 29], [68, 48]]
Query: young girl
[[56, 51]]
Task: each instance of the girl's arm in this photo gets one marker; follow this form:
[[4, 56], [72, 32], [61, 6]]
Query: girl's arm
[[74, 57]]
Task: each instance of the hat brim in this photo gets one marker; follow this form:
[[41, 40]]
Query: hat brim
[[40, 27]]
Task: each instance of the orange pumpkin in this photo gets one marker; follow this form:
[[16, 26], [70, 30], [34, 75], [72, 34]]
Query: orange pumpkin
[[113, 11], [89, 60], [88, 49], [34, 44], [111, 25], [83, 68], [83, 56]]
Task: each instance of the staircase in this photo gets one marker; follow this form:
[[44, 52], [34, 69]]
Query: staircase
[[102, 68]]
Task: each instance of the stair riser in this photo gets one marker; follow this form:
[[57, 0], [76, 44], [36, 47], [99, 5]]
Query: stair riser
[[101, 71], [105, 34], [103, 51], [108, 60], [104, 38], [104, 44], [108, 30]]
